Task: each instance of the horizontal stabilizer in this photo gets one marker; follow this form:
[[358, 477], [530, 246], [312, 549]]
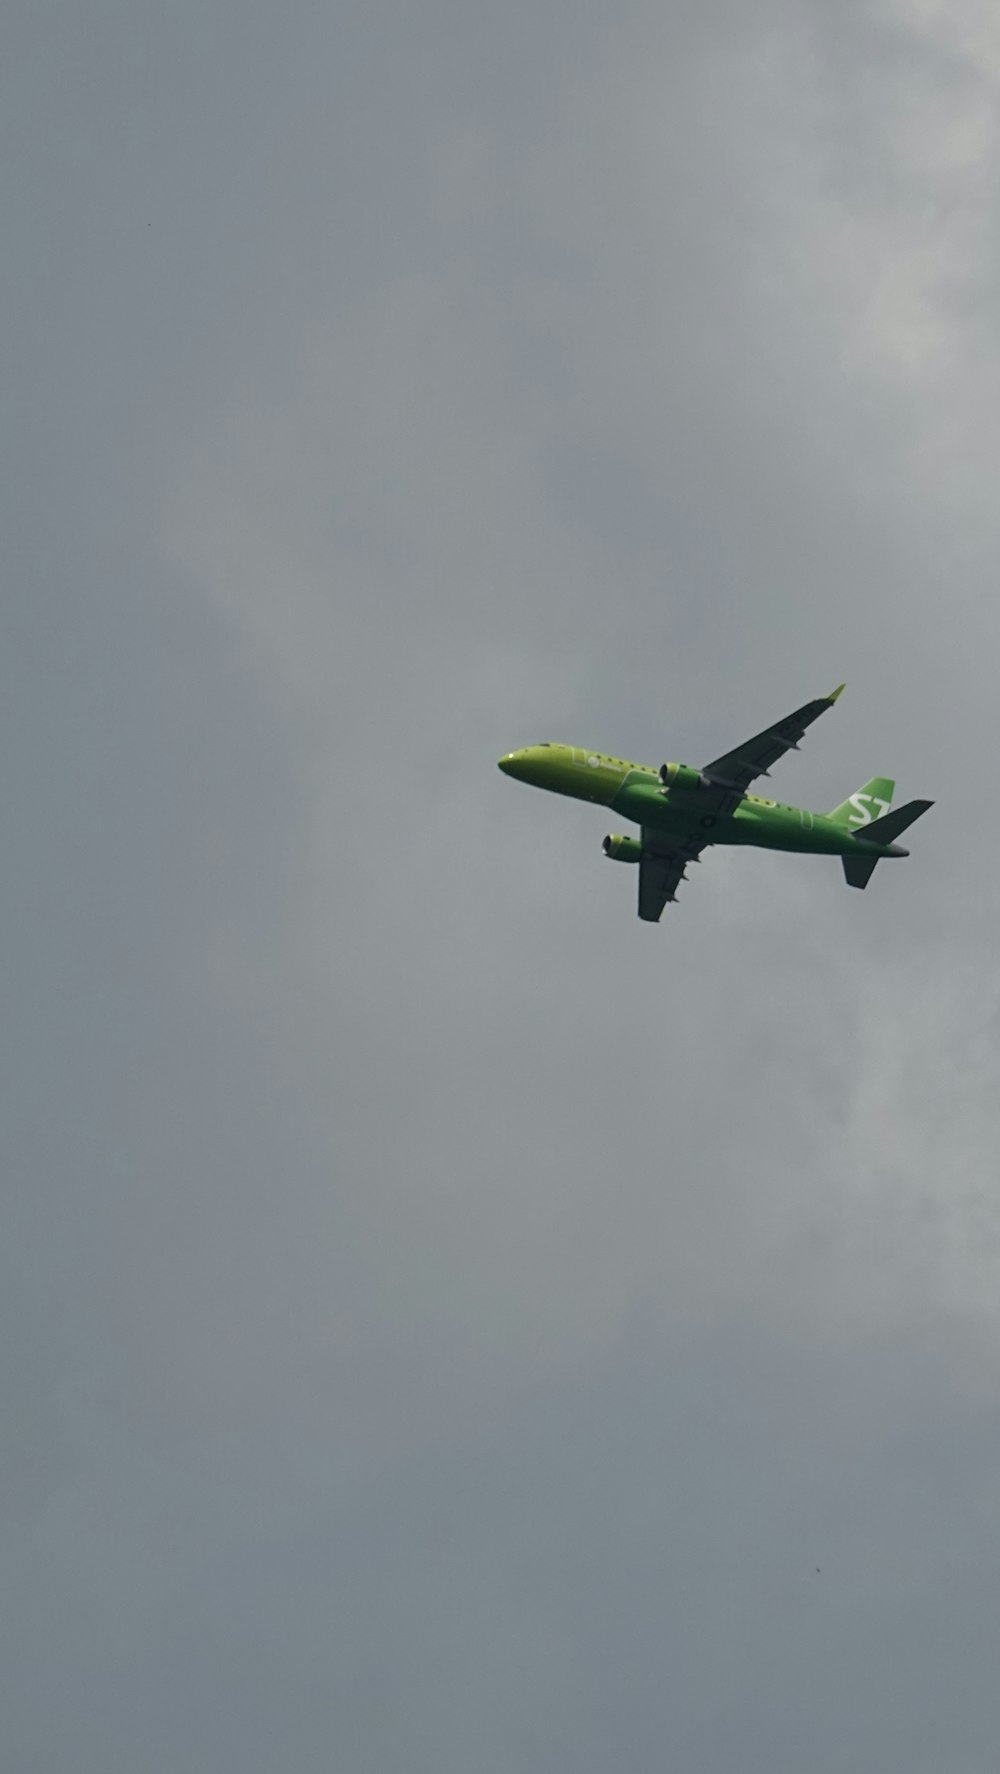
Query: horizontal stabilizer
[[858, 869], [888, 828]]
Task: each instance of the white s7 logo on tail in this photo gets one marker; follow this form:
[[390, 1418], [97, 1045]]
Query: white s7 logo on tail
[[864, 804]]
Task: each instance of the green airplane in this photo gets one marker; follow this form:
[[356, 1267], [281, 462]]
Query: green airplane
[[681, 810]]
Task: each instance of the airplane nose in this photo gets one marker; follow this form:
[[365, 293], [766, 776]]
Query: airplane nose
[[522, 765]]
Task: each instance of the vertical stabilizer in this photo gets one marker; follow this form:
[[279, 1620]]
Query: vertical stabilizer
[[866, 804]]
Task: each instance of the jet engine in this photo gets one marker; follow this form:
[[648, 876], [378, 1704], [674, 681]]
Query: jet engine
[[621, 849], [682, 776]]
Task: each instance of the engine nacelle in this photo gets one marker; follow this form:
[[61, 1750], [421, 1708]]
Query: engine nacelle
[[621, 849], [682, 776]]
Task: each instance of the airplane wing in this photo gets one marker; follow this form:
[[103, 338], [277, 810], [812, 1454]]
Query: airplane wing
[[661, 870], [732, 774]]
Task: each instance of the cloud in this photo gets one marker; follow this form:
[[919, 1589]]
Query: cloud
[[722, 328], [449, 1314]]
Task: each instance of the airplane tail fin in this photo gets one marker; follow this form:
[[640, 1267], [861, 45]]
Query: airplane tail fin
[[866, 804], [858, 869]]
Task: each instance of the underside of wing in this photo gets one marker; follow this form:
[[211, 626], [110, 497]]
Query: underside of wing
[[661, 871], [731, 775]]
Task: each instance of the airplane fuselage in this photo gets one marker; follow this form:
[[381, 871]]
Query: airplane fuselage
[[637, 792]]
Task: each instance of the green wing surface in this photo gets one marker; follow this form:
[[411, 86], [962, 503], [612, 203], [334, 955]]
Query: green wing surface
[[732, 774], [661, 871]]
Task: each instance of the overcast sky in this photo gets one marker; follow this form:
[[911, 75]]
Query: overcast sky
[[444, 1323]]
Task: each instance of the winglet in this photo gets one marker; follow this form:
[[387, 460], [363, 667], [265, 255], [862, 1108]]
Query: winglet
[[835, 693]]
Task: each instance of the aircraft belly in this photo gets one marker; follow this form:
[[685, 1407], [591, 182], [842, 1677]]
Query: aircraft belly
[[678, 823], [791, 829], [767, 828]]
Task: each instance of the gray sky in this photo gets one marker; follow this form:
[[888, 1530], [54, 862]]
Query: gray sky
[[445, 1324]]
